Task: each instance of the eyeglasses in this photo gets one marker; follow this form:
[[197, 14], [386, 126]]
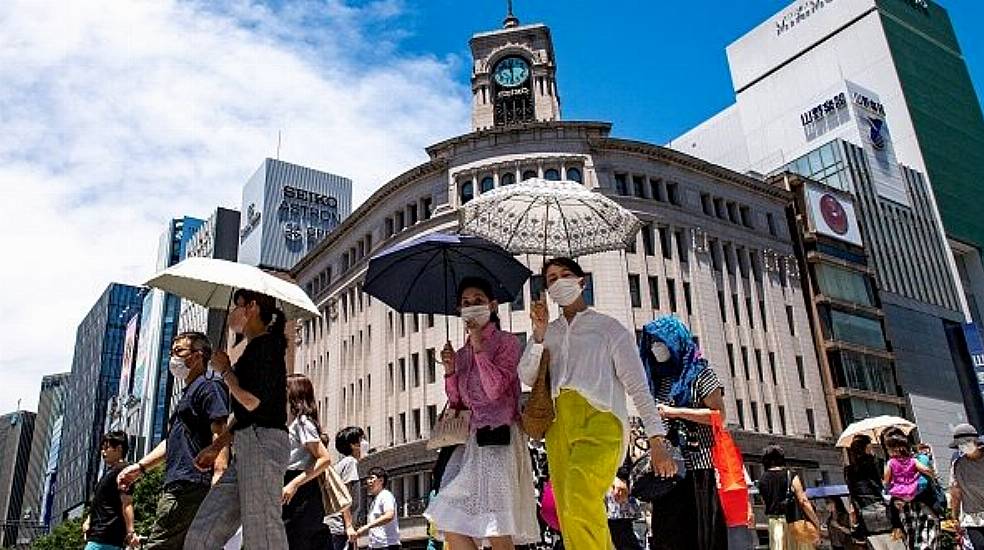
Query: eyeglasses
[[182, 352]]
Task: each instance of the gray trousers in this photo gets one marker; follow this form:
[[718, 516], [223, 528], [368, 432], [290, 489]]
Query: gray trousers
[[247, 494]]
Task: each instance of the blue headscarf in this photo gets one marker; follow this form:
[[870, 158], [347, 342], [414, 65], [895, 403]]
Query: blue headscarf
[[685, 363]]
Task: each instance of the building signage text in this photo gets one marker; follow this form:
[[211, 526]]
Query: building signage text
[[252, 221], [824, 109], [307, 215], [866, 102], [799, 14], [510, 93], [310, 196]]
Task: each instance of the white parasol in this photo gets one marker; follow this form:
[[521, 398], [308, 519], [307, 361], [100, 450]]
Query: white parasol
[[873, 428], [553, 218], [211, 283]]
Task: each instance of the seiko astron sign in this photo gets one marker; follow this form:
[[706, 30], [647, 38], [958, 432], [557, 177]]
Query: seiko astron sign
[[287, 210]]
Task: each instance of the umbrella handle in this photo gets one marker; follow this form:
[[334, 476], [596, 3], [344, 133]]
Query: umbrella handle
[[225, 323]]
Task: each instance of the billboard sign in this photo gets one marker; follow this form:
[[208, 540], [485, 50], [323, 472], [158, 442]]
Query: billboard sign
[[287, 210], [129, 355], [832, 214]]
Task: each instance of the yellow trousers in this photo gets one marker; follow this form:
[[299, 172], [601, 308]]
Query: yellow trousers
[[584, 446]]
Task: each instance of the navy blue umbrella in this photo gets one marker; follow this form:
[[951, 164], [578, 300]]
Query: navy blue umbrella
[[422, 275]]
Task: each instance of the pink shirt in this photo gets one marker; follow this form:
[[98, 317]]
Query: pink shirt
[[487, 382], [904, 478]]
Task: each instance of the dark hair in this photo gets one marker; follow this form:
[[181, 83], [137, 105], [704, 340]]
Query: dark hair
[[899, 442], [857, 452], [117, 440], [272, 316], [486, 288], [380, 473], [346, 437], [300, 398], [199, 341], [570, 264], [773, 456]]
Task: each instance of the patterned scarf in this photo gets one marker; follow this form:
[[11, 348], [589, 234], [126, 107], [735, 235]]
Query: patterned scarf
[[685, 363]]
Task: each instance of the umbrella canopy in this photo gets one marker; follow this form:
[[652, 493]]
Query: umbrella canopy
[[873, 428], [556, 218], [211, 283], [422, 275]]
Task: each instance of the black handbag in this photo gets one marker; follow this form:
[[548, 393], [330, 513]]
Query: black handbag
[[499, 436], [793, 512], [646, 486]]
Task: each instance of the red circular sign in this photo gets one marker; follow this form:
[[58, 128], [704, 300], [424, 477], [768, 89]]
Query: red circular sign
[[834, 214]]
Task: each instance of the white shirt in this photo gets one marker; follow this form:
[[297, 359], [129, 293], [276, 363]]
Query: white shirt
[[301, 432], [384, 535], [597, 357], [348, 470]]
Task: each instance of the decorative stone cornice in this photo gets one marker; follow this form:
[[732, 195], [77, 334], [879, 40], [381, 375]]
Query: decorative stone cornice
[[674, 157], [589, 129]]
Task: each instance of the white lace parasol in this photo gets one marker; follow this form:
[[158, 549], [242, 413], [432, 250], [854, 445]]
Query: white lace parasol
[[555, 218]]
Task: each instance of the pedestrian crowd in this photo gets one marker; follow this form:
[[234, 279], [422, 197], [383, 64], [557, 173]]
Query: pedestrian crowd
[[245, 450]]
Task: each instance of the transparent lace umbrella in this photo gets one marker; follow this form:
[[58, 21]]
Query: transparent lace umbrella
[[555, 218]]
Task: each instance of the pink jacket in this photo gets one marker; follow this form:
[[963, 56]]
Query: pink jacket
[[487, 382]]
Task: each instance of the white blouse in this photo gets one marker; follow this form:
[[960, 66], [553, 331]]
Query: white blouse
[[597, 357]]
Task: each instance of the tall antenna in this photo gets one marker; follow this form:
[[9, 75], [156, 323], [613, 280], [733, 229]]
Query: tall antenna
[[511, 20], [278, 144]]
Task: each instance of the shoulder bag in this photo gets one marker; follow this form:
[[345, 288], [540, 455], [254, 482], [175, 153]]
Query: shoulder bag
[[452, 428], [538, 414], [801, 529], [334, 494]]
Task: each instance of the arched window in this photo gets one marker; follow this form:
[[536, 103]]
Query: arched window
[[552, 174], [573, 174], [487, 184], [529, 174], [507, 179], [467, 191]]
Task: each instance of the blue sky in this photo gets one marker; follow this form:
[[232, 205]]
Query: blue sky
[[654, 68]]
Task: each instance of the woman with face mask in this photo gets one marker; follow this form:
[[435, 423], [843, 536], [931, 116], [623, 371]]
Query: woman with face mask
[[594, 364], [689, 394], [250, 491], [486, 489]]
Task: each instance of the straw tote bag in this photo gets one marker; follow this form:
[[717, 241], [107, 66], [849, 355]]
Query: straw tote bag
[[452, 428], [538, 414], [334, 494]]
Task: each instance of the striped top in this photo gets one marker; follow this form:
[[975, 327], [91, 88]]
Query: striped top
[[696, 440]]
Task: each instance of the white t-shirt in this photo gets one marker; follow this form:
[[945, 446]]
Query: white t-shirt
[[302, 431], [348, 470], [385, 535]]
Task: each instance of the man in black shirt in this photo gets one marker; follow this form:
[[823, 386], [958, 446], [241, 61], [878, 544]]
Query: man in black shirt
[[200, 415], [109, 525]]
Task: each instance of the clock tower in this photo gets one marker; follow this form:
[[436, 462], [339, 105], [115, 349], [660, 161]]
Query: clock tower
[[513, 75]]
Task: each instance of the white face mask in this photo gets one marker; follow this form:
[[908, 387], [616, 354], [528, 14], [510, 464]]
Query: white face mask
[[364, 447], [967, 447], [479, 314], [179, 369], [565, 291], [661, 352]]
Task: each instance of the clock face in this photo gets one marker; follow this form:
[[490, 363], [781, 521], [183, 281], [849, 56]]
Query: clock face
[[511, 71]]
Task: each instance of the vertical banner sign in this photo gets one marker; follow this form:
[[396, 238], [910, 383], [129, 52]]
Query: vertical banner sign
[[976, 348]]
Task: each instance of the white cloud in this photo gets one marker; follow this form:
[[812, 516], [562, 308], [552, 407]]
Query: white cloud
[[116, 116]]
